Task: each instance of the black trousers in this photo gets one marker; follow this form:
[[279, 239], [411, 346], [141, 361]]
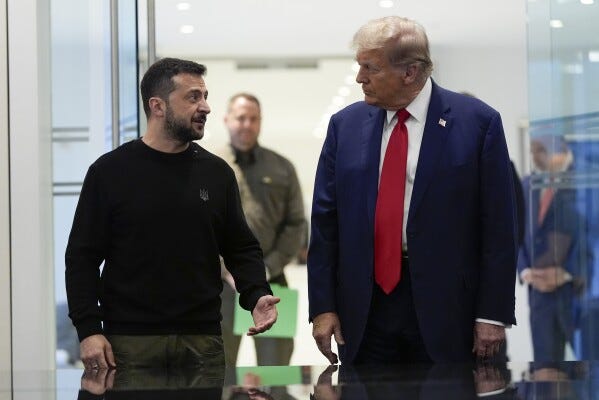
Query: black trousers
[[392, 335]]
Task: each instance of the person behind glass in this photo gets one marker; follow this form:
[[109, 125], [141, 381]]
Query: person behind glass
[[550, 260], [158, 211], [412, 255], [273, 205]]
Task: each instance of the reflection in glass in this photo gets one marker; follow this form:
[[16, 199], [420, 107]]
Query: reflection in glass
[[152, 383], [433, 381], [550, 260], [534, 381], [564, 114]]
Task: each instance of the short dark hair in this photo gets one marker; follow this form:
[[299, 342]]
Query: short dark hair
[[158, 79]]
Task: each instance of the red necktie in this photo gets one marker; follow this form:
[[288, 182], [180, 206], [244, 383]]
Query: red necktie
[[388, 217], [545, 202]]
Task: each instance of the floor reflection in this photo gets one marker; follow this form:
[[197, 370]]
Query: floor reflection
[[534, 381]]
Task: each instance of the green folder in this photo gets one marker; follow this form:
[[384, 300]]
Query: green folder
[[272, 375], [286, 324]]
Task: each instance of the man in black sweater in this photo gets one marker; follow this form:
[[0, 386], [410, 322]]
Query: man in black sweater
[[158, 211]]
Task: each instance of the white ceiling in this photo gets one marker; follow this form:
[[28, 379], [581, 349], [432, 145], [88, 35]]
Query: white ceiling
[[312, 28]]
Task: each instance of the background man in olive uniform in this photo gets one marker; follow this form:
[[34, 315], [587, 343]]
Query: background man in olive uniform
[[272, 201]]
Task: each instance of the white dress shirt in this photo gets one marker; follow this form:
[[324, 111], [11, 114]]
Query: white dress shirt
[[418, 110]]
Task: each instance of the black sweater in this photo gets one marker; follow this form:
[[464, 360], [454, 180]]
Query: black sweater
[[159, 222]]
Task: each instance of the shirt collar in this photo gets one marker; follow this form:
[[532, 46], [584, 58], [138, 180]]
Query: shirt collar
[[419, 106], [246, 157]]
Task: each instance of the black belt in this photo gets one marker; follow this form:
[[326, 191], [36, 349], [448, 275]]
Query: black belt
[[404, 255]]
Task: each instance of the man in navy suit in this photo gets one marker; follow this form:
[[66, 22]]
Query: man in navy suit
[[453, 258], [552, 260]]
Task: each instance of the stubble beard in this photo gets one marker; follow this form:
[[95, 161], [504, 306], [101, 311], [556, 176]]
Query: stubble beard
[[177, 129]]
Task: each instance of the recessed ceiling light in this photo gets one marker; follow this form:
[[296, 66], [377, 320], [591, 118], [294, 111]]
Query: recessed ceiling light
[[183, 6], [587, 2], [186, 29], [556, 23], [386, 3], [594, 56]]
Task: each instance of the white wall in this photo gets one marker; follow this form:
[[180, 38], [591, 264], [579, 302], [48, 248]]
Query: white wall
[[33, 336]]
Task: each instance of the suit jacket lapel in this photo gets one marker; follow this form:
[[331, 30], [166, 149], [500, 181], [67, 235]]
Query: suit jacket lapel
[[372, 132], [433, 142]]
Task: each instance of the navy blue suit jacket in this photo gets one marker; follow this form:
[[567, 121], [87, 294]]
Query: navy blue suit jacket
[[461, 230], [562, 218]]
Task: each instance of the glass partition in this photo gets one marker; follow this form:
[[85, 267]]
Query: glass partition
[[561, 250], [82, 100]]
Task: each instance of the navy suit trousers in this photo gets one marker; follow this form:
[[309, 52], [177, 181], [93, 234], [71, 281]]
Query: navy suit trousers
[[392, 334]]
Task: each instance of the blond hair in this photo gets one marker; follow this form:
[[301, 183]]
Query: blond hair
[[404, 41]]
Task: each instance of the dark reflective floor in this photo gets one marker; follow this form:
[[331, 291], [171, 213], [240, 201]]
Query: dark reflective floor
[[568, 380]]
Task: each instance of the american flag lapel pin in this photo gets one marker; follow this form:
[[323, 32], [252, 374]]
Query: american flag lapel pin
[[442, 122]]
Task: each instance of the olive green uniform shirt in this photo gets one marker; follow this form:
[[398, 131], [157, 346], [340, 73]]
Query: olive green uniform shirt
[[272, 202]]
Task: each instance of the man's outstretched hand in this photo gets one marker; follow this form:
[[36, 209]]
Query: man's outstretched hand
[[264, 314]]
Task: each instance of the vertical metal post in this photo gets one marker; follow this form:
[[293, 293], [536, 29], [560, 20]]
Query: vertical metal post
[[151, 32], [5, 223], [114, 62]]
